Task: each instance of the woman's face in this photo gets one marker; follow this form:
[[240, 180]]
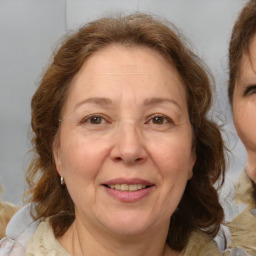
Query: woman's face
[[125, 141], [244, 106]]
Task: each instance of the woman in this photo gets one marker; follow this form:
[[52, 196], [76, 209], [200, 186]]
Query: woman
[[126, 157], [242, 96]]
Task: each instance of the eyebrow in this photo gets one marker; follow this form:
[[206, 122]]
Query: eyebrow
[[249, 80], [95, 100], [155, 101], [106, 101]]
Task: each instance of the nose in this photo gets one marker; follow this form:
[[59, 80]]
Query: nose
[[129, 145]]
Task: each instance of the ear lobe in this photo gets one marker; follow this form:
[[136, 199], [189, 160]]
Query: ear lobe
[[190, 174]]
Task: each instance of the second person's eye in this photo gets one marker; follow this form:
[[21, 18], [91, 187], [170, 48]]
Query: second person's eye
[[250, 90]]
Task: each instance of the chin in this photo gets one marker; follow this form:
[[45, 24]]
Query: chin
[[126, 229], [251, 164], [132, 223]]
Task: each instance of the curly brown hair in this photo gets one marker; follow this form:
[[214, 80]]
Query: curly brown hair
[[199, 207], [243, 31]]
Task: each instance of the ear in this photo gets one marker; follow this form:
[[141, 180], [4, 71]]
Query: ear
[[56, 155], [192, 163]]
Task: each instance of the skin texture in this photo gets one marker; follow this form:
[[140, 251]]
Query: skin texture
[[140, 129], [244, 106]]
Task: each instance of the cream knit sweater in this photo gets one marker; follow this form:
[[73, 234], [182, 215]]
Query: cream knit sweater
[[44, 243], [243, 227]]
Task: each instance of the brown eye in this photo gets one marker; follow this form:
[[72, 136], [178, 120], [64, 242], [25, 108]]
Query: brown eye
[[95, 120], [250, 90], [159, 120]]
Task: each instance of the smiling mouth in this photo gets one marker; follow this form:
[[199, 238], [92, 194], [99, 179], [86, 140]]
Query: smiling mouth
[[126, 187]]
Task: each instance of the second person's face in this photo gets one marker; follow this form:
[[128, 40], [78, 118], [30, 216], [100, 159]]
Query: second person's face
[[125, 143], [244, 106]]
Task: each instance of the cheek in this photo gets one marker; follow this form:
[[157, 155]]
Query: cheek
[[245, 122], [174, 158], [175, 169], [81, 163], [81, 159]]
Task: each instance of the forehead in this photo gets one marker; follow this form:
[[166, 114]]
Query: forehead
[[248, 61], [130, 58], [118, 66]]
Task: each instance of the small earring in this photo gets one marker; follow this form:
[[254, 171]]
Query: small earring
[[62, 182]]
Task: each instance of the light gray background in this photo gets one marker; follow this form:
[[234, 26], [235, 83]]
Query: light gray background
[[31, 29]]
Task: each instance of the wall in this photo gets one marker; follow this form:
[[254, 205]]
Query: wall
[[31, 29]]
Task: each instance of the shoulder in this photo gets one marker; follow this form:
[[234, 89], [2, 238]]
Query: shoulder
[[243, 230], [200, 244], [244, 190], [44, 242], [243, 226]]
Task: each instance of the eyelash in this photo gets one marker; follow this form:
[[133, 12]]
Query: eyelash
[[251, 89], [167, 119], [163, 119], [87, 119]]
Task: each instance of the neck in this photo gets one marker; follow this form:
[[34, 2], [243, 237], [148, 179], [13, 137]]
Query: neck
[[81, 240]]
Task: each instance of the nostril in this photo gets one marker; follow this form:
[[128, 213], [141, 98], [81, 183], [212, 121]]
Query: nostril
[[128, 161], [118, 159]]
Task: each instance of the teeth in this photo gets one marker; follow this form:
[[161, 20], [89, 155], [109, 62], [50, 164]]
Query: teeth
[[133, 187], [125, 187], [140, 186]]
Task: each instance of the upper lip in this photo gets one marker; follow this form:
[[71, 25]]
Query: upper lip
[[128, 181]]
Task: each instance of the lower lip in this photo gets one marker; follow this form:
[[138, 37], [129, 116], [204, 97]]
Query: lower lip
[[129, 196]]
